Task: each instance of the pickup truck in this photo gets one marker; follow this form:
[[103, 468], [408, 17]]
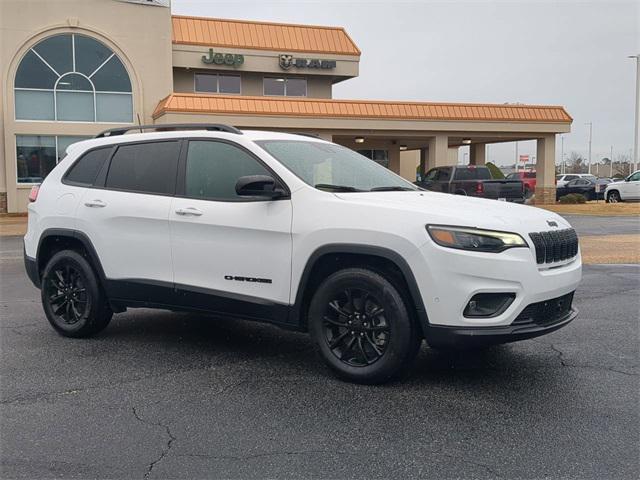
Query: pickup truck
[[473, 181]]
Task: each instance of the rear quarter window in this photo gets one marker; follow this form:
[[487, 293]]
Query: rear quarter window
[[85, 170]]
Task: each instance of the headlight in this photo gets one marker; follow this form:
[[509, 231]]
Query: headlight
[[474, 239]]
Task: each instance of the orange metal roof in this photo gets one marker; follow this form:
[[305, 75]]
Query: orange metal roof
[[262, 35], [282, 106]]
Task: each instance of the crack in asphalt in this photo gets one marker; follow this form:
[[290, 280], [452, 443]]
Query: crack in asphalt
[[564, 363], [72, 391], [165, 449]]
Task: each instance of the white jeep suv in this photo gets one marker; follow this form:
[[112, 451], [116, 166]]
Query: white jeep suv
[[295, 231]]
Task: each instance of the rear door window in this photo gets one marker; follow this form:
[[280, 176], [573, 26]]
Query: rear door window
[[148, 167], [85, 170]]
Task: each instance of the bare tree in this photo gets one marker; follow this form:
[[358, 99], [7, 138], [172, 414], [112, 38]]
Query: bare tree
[[622, 165], [575, 163]]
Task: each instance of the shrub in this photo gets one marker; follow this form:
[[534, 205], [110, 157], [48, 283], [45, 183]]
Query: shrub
[[495, 171], [573, 198]]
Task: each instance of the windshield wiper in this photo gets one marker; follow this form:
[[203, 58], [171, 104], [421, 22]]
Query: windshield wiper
[[336, 188], [396, 188]]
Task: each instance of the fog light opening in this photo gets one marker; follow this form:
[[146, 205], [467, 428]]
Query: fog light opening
[[486, 305]]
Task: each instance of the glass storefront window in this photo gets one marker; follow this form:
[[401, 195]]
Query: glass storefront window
[[379, 156], [288, 87], [36, 155], [72, 77], [217, 83]]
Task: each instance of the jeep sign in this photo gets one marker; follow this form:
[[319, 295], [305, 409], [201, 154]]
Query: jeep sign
[[229, 59]]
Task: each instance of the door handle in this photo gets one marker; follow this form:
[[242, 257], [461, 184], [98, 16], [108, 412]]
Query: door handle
[[189, 211], [96, 203]]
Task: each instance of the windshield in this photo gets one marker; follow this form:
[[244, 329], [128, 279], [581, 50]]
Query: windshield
[[332, 167]]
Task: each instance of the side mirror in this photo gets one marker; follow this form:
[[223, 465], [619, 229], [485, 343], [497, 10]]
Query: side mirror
[[258, 186]]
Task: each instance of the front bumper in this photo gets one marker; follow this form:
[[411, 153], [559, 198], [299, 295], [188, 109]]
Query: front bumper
[[456, 337], [448, 279]]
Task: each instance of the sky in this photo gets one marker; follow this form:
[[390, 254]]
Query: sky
[[566, 53]]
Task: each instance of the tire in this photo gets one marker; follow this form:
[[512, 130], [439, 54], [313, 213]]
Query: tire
[[362, 328], [613, 197], [72, 297]]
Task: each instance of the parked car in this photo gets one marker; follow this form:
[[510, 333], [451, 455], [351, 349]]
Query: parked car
[[296, 231], [562, 180], [584, 186], [528, 179], [627, 190], [473, 181]]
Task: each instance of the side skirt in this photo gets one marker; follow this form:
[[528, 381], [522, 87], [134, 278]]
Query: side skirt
[[136, 293]]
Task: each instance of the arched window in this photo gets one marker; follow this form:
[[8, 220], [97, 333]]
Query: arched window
[[71, 77]]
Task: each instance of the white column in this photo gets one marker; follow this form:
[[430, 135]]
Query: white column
[[438, 151], [546, 170]]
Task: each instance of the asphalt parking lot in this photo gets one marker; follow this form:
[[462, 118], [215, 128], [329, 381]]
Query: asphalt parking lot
[[167, 395], [600, 225]]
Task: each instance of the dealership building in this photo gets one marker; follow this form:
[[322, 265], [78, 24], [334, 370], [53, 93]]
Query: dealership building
[[72, 69]]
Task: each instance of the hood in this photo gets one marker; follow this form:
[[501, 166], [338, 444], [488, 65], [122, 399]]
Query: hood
[[447, 209]]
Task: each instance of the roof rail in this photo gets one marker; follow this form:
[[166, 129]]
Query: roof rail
[[170, 127]]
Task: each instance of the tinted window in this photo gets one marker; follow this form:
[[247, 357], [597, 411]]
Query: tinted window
[[635, 177], [570, 177], [229, 84], [471, 173], [530, 175], [515, 176], [431, 175], [444, 174], [85, 170], [213, 168], [206, 82], [290, 87], [296, 87], [145, 167]]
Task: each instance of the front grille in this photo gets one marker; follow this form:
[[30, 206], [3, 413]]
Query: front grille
[[546, 312], [555, 245]]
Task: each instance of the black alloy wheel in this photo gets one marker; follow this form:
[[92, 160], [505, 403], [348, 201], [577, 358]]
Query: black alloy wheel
[[362, 326], [355, 327], [67, 294], [72, 297]]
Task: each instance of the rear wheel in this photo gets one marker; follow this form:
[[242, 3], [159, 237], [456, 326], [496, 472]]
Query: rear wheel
[[362, 328], [72, 298], [613, 197]]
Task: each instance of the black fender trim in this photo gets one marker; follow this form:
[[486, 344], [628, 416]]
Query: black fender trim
[[296, 313], [76, 235]]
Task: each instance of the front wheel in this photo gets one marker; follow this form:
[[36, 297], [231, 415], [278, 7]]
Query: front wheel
[[72, 298], [362, 328]]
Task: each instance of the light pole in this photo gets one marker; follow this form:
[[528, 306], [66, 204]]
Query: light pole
[[590, 133], [611, 163], [637, 112], [517, 159]]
